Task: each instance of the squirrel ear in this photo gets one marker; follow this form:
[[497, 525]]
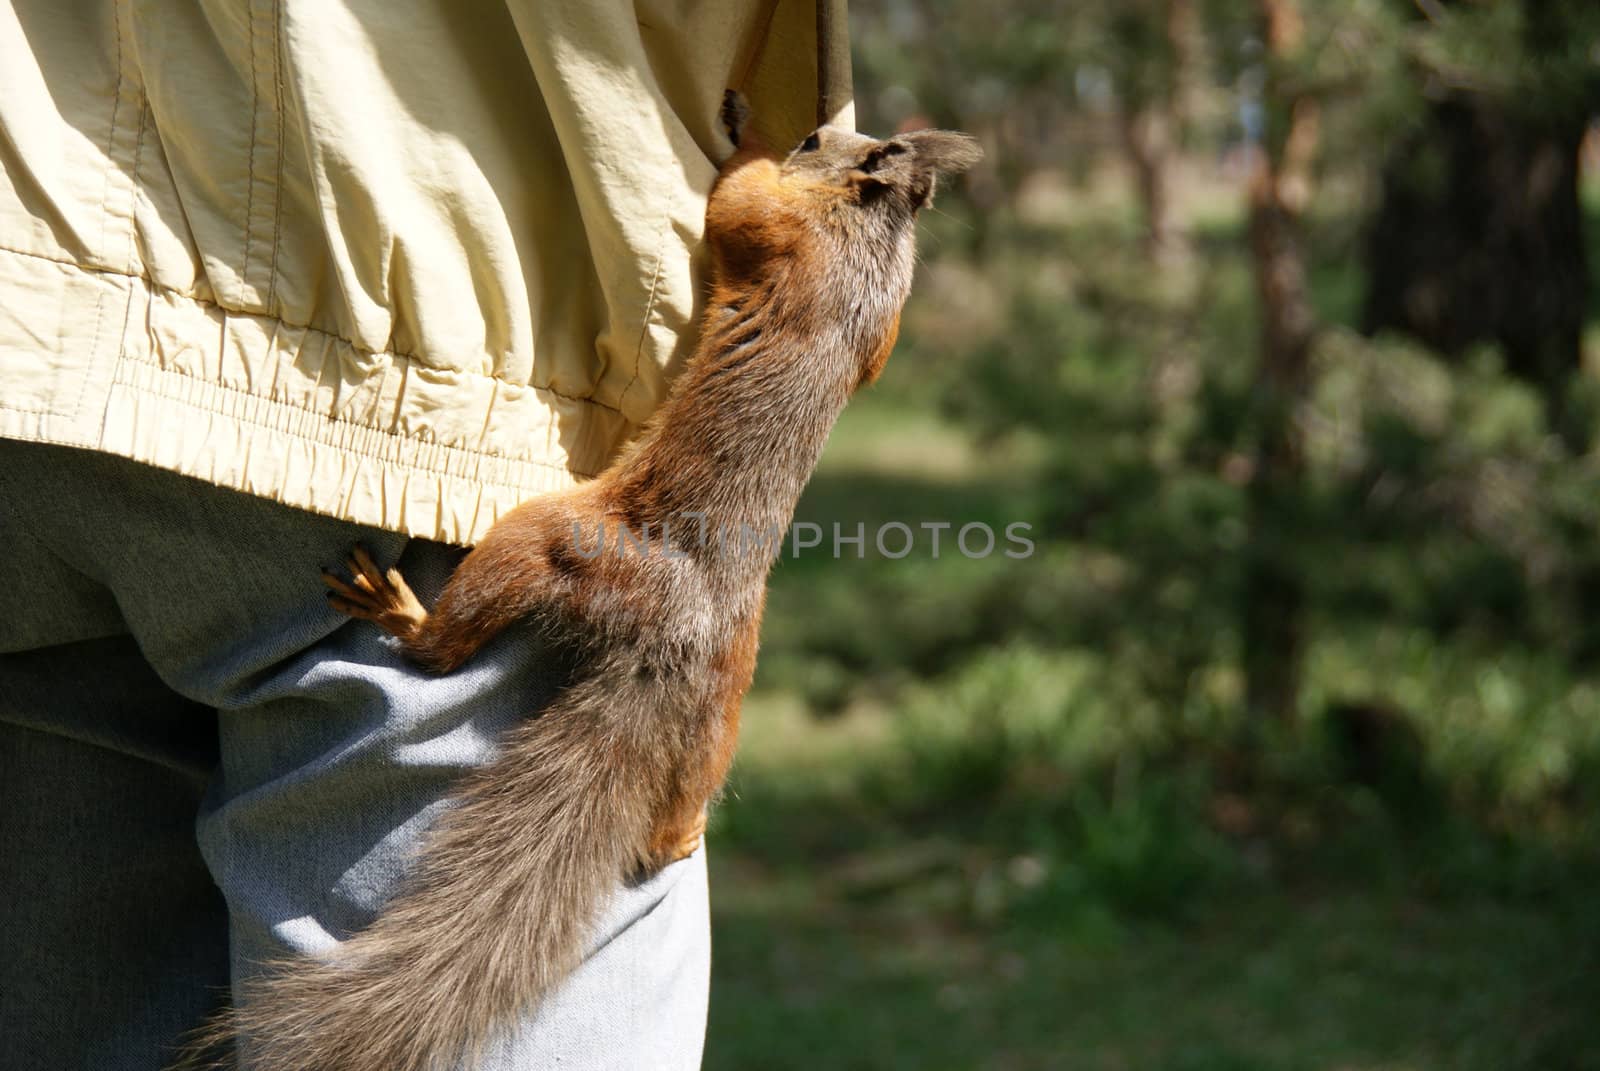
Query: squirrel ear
[[872, 180], [917, 185], [944, 151]]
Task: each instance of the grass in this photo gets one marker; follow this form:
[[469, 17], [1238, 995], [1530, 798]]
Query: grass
[[851, 933], [1331, 978]]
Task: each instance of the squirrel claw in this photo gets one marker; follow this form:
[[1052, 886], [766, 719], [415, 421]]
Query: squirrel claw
[[735, 114], [691, 840], [373, 594]]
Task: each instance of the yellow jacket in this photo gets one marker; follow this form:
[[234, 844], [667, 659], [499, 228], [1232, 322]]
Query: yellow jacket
[[406, 263]]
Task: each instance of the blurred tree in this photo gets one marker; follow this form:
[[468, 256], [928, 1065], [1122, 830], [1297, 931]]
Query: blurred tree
[[1155, 61], [1005, 72], [1038, 76], [1279, 190], [1219, 450], [1479, 233]]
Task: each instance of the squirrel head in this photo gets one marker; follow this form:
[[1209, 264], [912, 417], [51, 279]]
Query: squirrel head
[[833, 223], [897, 174], [867, 194]]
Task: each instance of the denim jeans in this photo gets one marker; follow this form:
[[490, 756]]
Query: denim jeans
[[203, 766]]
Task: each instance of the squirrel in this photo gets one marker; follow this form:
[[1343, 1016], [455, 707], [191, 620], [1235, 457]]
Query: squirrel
[[812, 257]]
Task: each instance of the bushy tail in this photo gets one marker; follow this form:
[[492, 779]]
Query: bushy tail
[[500, 908]]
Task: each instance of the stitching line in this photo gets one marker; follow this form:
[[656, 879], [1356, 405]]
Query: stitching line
[[421, 362], [111, 135], [417, 464], [649, 311], [105, 200], [250, 164], [133, 204], [277, 186]]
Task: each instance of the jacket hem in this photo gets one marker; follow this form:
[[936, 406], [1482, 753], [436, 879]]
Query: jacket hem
[[113, 363]]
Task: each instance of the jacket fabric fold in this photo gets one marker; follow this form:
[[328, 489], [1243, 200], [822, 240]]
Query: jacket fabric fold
[[407, 264]]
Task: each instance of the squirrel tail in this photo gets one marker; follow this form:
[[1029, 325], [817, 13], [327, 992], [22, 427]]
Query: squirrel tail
[[500, 909]]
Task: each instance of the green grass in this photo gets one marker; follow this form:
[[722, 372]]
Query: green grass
[[1334, 978], [853, 931]]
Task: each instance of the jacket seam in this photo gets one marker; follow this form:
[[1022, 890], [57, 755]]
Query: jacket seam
[[111, 134], [105, 215], [649, 311], [277, 182], [417, 465], [250, 158], [421, 362], [133, 204]]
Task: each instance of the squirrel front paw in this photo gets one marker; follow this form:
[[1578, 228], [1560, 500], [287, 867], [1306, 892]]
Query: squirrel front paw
[[735, 114], [672, 842], [373, 594]]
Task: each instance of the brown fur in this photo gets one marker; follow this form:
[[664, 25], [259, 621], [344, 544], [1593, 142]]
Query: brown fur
[[812, 262]]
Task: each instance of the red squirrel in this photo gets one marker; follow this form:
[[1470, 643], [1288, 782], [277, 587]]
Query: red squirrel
[[811, 262]]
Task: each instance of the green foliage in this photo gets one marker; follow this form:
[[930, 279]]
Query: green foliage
[[1012, 813], [1030, 787]]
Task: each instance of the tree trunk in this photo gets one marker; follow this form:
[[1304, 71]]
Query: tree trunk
[[1185, 45], [1156, 100], [1147, 139], [1479, 238], [1280, 185]]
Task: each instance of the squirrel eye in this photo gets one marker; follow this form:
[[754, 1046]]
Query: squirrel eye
[[811, 144]]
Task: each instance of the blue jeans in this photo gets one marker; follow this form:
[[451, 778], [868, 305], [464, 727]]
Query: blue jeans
[[202, 766]]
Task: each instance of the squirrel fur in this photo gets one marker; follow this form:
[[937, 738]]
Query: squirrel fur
[[812, 257]]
